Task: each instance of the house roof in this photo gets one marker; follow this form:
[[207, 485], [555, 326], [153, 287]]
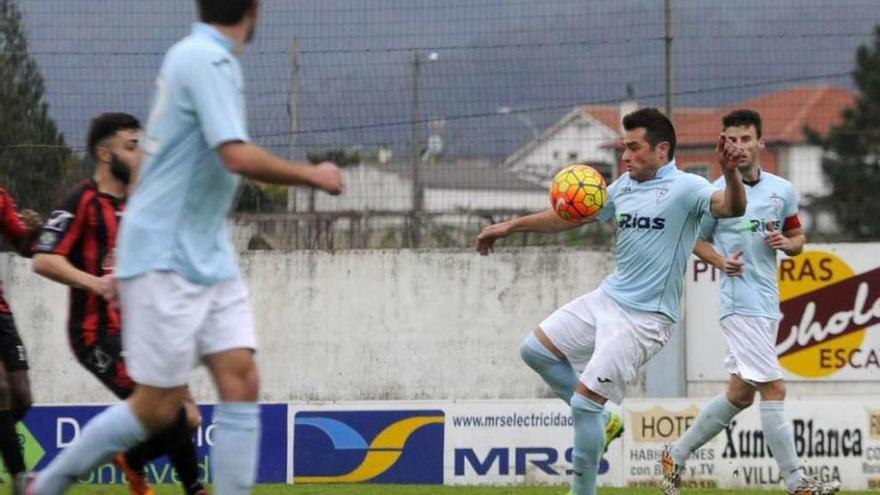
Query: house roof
[[466, 175], [784, 113]]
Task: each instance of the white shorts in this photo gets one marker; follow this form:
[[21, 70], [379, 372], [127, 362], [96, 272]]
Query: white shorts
[[751, 348], [605, 342], [169, 323]]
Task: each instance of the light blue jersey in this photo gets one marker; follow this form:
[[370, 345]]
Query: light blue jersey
[[177, 217], [658, 222], [756, 292]]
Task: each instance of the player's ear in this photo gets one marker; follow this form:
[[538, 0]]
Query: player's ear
[[103, 154], [662, 148], [761, 143]]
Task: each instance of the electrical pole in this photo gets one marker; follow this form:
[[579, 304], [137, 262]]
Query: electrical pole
[[294, 116], [417, 192]]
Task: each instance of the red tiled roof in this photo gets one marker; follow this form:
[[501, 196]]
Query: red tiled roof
[[784, 113]]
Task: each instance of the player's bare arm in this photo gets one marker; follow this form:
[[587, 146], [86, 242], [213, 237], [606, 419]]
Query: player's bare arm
[[56, 267], [546, 221], [790, 242], [731, 202], [731, 265], [254, 162]]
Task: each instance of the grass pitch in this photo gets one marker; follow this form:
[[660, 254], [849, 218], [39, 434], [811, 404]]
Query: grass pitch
[[421, 490]]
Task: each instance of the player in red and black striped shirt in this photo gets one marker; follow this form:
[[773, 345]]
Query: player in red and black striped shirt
[[76, 248], [19, 230]]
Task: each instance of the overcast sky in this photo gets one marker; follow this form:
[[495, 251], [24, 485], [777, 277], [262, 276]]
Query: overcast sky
[[543, 56]]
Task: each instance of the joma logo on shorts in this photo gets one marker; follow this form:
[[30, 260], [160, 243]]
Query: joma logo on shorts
[[627, 221]]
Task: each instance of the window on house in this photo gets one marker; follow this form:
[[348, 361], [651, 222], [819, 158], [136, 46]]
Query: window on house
[[572, 155], [556, 155]]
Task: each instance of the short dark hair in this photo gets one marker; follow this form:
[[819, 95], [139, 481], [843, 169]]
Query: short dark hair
[[106, 125], [743, 117], [223, 12], [657, 127]]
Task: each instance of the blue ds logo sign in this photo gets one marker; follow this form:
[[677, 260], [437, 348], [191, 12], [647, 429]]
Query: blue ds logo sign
[[368, 446]]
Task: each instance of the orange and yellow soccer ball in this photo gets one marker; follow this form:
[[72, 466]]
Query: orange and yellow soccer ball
[[578, 193]]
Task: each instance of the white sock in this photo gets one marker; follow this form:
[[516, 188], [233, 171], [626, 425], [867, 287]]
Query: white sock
[[114, 430], [711, 421], [779, 435]]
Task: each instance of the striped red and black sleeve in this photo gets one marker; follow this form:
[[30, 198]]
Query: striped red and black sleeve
[[13, 228], [62, 231]]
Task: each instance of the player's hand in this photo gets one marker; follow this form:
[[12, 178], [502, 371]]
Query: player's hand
[[733, 264], [489, 235], [728, 153], [328, 178], [106, 288], [31, 219], [775, 239]]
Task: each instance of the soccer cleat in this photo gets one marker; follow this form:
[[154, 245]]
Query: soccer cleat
[[671, 483], [137, 482], [613, 429], [809, 485]]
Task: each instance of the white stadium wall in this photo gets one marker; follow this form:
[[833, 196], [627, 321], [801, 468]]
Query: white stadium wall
[[437, 325], [383, 325]]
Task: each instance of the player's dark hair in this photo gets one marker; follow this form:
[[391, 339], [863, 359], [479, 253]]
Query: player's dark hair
[[223, 12], [657, 127], [743, 118], [106, 125]]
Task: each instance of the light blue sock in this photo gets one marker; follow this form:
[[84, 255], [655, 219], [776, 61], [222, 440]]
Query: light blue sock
[[589, 441], [556, 372], [780, 437], [236, 447], [711, 421], [114, 430]]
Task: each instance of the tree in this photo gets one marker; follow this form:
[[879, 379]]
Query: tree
[[35, 163], [851, 160]]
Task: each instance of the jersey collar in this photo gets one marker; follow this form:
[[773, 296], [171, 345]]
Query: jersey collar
[[208, 31], [666, 169]]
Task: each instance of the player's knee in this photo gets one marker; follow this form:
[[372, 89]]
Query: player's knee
[[741, 399], [773, 390], [527, 354], [242, 385]]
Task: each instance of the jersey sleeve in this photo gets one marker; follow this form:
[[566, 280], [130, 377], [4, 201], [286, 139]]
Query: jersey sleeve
[[14, 229], [607, 211], [64, 227], [707, 228], [701, 196], [790, 208], [213, 84]]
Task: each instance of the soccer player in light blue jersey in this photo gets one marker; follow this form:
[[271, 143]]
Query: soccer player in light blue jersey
[[182, 297], [746, 255], [608, 334]]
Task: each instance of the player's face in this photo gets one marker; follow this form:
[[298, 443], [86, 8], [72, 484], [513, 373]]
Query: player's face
[[746, 138], [639, 158], [124, 154]]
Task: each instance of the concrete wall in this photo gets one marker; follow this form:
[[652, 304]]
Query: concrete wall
[[355, 325]]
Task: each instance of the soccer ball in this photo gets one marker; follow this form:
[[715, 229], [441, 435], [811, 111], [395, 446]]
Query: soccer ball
[[578, 193]]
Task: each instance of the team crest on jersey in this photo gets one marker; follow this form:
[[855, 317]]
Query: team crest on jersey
[[776, 202], [59, 220], [662, 193]]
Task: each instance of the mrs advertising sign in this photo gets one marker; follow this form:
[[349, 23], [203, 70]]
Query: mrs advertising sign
[[830, 306]]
